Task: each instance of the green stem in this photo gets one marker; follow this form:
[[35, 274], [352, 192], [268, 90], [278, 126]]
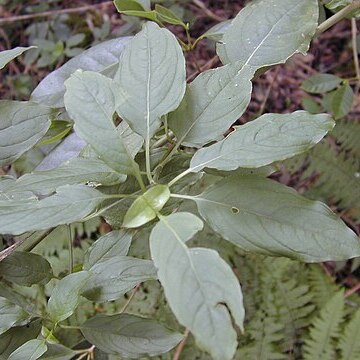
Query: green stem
[[71, 253], [180, 176], [343, 13], [148, 162], [186, 197], [139, 179]]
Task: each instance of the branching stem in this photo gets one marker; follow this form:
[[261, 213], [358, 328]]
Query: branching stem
[[342, 14]]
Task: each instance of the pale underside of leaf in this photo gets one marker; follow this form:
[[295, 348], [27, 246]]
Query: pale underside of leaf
[[197, 285], [91, 102], [70, 204], [268, 32], [152, 79], [212, 103], [270, 138], [22, 125]]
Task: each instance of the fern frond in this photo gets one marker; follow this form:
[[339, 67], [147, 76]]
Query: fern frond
[[349, 344], [287, 301], [321, 285], [325, 328], [338, 175], [346, 133], [265, 332]]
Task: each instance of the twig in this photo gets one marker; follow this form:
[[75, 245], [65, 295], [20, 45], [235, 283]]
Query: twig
[[352, 291], [268, 91], [355, 52], [181, 346], [55, 12], [343, 13], [206, 11], [130, 298], [206, 66]]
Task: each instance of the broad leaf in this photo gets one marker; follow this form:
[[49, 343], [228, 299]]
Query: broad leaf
[[58, 352], [26, 269], [216, 32], [70, 204], [200, 287], [76, 171], [152, 79], [17, 336], [116, 276], [269, 138], [31, 350], [51, 90], [129, 336], [110, 245], [8, 55], [262, 216], [68, 149], [212, 103], [11, 315], [146, 206], [91, 102], [288, 30], [342, 101], [65, 297], [321, 83], [22, 125]]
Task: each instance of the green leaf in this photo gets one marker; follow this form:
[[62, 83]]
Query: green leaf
[[134, 8], [200, 287], [11, 315], [288, 30], [166, 15], [129, 336], [146, 206], [321, 83], [107, 246], [8, 55], [311, 106], [57, 131], [342, 101], [65, 297], [325, 328], [262, 216], [70, 203], [26, 269], [113, 277], [31, 350], [59, 352], [271, 137], [212, 103], [75, 171], [152, 79], [216, 32], [91, 103], [17, 336], [349, 344], [51, 90], [23, 124]]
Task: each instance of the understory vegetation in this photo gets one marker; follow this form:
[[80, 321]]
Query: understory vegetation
[[179, 180]]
